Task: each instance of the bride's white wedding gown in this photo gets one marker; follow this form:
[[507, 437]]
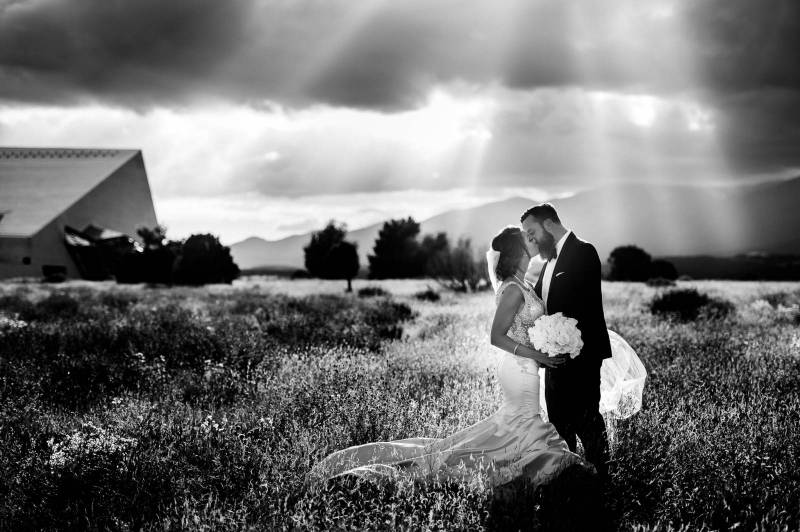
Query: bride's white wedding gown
[[513, 441]]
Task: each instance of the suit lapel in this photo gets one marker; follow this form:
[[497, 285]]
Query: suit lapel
[[561, 265], [562, 262], [538, 287]]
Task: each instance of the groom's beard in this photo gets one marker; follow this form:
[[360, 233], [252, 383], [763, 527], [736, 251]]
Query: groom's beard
[[547, 246]]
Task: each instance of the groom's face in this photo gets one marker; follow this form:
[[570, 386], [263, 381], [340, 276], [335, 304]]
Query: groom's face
[[540, 237]]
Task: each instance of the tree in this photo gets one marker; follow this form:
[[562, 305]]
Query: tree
[[435, 251], [198, 260], [152, 238], [204, 259], [629, 263], [329, 256], [397, 252], [158, 259], [455, 268], [466, 273], [343, 262], [663, 269], [319, 248], [152, 261]]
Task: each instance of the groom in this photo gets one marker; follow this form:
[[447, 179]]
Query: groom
[[570, 283]]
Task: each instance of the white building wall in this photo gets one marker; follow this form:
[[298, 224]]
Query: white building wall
[[49, 248], [121, 202], [13, 250]]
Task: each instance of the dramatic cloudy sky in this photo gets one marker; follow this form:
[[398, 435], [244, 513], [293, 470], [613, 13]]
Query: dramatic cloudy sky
[[268, 117]]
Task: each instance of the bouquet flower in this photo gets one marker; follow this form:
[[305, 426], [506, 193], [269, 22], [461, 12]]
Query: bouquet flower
[[556, 334]]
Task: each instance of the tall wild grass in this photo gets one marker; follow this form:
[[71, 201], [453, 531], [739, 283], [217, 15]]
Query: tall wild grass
[[205, 408]]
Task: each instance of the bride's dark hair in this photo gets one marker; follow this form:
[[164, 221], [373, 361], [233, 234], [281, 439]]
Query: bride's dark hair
[[509, 242]]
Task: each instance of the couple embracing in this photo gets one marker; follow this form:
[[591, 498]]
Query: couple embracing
[[516, 441]]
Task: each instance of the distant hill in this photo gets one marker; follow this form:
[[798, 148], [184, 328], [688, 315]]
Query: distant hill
[[740, 267], [665, 220], [256, 252]]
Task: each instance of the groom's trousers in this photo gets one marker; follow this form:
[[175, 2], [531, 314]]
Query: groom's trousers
[[573, 407]]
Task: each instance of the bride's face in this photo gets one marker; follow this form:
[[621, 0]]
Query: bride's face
[[530, 243], [525, 260]]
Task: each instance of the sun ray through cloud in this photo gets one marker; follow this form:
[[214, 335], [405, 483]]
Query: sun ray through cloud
[[349, 24], [652, 118], [299, 99]]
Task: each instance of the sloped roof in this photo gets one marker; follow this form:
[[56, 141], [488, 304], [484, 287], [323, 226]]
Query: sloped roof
[[38, 184]]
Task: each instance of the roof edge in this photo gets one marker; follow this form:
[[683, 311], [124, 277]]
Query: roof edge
[[10, 152], [131, 154]]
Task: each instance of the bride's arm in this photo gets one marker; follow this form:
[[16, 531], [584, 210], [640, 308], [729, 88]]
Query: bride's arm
[[510, 301]]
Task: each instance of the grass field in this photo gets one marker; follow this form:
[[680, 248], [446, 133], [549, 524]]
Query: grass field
[[134, 407]]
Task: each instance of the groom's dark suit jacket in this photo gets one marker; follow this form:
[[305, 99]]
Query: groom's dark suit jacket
[[575, 292], [572, 391]]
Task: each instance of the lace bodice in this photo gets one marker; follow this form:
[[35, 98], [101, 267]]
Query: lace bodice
[[527, 313]]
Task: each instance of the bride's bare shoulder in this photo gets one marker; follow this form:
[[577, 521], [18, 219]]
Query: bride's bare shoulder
[[509, 291]]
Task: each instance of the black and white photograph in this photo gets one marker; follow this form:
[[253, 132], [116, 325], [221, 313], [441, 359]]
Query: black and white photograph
[[400, 265]]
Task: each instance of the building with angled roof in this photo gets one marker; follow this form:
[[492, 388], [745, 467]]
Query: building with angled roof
[[45, 192]]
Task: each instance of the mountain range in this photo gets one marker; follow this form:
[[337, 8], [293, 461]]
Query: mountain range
[[664, 220]]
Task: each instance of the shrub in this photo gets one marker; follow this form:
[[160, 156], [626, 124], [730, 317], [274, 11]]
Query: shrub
[[429, 294], [688, 304], [68, 305], [200, 259], [16, 305], [119, 301], [58, 306], [717, 309], [456, 268], [664, 269], [660, 281], [629, 263], [204, 259], [54, 273], [372, 291], [787, 304], [300, 274], [785, 299], [387, 318], [54, 306], [77, 355]]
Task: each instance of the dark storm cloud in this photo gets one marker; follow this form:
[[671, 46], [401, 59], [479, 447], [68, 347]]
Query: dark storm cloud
[[746, 54], [738, 55], [742, 45], [382, 55], [760, 129], [303, 51], [408, 47], [139, 51]]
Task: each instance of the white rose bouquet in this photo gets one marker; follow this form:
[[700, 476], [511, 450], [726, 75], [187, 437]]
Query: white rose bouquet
[[556, 334]]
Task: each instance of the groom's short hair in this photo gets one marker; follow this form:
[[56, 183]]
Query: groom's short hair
[[541, 212]]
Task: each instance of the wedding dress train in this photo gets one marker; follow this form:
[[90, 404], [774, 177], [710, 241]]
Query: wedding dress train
[[512, 442]]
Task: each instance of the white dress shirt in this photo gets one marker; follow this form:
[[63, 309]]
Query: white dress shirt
[[550, 266]]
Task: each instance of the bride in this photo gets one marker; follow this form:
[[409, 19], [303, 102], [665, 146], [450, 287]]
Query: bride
[[515, 441]]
